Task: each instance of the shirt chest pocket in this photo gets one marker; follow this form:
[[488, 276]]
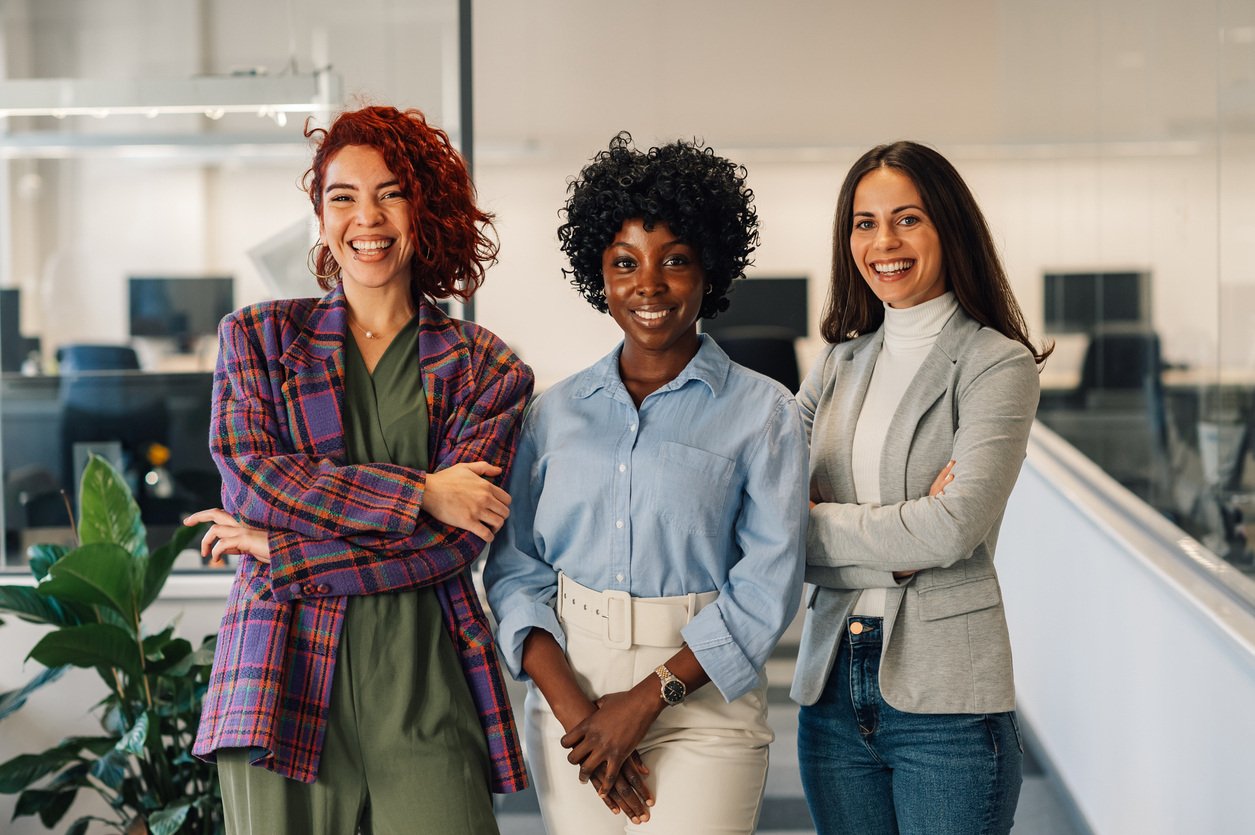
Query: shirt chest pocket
[[691, 488]]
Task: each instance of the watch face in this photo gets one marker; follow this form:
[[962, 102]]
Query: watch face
[[673, 692]]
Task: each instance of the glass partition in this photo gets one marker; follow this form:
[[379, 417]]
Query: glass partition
[[124, 235]]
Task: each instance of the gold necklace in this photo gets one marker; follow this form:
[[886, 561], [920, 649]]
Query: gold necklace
[[368, 333]]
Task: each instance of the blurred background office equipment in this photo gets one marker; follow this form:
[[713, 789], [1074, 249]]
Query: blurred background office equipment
[[761, 328]]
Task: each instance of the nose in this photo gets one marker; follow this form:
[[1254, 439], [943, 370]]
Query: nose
[[886, 236], [649, 280], [369, 212]]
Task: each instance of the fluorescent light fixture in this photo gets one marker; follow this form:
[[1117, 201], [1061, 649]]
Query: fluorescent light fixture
[[212, 96]]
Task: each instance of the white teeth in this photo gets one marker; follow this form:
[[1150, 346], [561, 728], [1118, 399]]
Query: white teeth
[[650, 315], [367, 246], [893, 266]]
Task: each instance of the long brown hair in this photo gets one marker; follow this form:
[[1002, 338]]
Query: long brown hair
[[970, 260], [451, 244]]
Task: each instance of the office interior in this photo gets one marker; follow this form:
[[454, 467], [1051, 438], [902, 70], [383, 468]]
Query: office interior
[[1110, 143]]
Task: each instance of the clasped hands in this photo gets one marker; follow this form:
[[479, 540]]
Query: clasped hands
[[603, 745], [460, 496]]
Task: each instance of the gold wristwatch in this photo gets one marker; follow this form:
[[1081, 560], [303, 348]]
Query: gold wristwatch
[[673, 690]]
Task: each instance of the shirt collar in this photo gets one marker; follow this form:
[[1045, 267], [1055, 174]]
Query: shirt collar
[[710, 366]]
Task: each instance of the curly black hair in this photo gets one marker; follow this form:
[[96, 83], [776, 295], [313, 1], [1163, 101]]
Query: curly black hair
[[699, 195]]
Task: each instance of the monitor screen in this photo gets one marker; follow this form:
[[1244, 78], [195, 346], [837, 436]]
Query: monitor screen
[[1084, 302], [184, 309], [776, 303]]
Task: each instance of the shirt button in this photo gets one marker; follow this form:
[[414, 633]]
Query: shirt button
[[622, 467], [632, 428], [618, 578], [619, 524]]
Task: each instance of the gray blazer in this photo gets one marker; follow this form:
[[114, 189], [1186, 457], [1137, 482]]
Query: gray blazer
[[946, 648]]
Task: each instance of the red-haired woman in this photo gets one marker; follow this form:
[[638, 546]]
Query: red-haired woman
[[359, 437]]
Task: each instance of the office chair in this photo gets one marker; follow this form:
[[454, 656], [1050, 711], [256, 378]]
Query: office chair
[[767, 350], [1121, 389], [74, 358]]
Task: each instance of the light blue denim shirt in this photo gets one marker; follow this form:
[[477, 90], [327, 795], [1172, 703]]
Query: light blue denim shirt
[[703, 488]]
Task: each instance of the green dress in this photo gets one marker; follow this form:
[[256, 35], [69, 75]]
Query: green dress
[[404, 751]]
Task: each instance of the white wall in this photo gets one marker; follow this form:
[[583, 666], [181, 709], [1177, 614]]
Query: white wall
[[1137, 676]]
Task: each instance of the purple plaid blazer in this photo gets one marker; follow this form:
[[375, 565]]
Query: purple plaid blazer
[[336, 529]]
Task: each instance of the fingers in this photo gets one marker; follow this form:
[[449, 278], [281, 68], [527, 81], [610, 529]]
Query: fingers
[[942, 480], [216, 515], [482, 468]]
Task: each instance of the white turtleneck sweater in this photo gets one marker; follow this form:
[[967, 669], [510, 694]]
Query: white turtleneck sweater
[[910, 334]]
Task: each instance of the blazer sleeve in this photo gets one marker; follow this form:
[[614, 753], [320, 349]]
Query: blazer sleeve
[[996, 410], [271, 487]]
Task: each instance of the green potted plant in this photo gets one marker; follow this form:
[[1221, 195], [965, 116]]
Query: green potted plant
[[94, 597]]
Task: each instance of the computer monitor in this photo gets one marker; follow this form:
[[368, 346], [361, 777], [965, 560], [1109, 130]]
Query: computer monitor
[[779, 304], [181, 308], [1082, 302]]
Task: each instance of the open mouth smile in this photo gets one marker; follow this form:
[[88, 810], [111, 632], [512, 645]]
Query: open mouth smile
[[893, 269]]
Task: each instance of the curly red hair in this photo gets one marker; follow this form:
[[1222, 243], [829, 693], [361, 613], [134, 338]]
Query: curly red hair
[[451, 242]]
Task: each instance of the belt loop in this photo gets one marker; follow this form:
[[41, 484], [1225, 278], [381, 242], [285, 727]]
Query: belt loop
[[692, 607], [561, 601], [617, 601]]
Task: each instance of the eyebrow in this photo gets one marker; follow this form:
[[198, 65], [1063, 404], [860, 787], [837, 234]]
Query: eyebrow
[[627, 245], [894, 212], [350, 187]]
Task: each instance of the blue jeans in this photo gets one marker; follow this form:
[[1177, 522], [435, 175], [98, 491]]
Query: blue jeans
[[871, 769]]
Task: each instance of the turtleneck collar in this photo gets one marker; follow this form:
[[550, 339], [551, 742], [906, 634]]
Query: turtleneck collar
[[912, 327]]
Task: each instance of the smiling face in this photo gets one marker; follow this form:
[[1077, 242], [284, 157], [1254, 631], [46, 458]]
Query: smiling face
[[654, 286], [365, 219], [894, 242]]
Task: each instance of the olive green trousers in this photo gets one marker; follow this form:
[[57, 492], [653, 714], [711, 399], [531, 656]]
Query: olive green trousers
[[404, 753]]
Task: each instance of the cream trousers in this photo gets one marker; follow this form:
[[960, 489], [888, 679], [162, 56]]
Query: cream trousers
[[707, 758]]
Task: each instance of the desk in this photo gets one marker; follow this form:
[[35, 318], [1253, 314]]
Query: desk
[[33, 431]]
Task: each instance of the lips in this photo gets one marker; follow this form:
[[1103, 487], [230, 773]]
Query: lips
[[893, 269], [652, 316], [374, 245]]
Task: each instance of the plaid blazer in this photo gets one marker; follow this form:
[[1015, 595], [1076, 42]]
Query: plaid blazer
[[336, 529]]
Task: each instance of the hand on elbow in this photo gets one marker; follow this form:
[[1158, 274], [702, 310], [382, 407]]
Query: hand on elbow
[[462, 496], [227, 535]]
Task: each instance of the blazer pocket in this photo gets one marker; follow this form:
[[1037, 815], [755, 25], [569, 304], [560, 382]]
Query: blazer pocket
[[947, 601]]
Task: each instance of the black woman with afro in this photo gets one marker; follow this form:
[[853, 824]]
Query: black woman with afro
[[654, 550]]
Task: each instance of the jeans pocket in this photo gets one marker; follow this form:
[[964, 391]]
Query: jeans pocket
[[1015, 723]]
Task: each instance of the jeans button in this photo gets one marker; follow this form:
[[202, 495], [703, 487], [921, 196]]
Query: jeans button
[[856, 628]]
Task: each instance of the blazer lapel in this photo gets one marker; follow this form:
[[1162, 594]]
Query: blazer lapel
[[931, 381], [445, 360], [850, 389], [314, 391]]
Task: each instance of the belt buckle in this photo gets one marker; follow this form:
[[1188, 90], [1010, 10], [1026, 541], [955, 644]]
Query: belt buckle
[[612, 599]]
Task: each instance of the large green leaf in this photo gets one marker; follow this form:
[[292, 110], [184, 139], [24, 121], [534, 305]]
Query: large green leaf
[[42, 556], [111, 768], [156, 569], [101, 574], [51, 806], [133, 740], [91, 645], [14, 699], [107, 510], [169, 820], [24, 769], [27, 603]]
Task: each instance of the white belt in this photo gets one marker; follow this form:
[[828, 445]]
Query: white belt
[[623, 621]]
